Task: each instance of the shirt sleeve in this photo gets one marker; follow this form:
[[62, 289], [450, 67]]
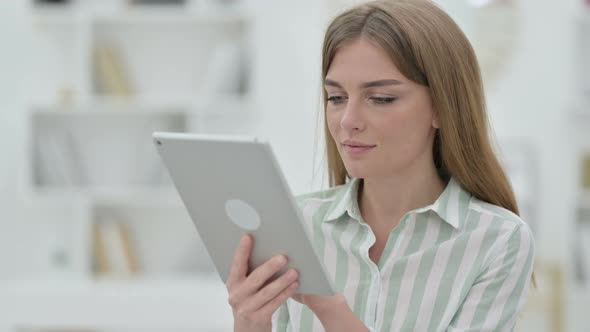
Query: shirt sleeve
[[280, 319], [499, 293]]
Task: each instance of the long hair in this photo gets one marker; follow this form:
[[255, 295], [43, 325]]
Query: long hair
[[430, 49]]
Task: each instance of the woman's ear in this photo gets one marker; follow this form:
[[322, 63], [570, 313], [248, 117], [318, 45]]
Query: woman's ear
[[435, 122]]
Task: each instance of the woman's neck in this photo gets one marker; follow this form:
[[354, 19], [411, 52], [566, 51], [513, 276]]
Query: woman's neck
[[385, 200]]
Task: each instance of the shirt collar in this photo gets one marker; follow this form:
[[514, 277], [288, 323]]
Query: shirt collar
[[451, 206], [345, 201]]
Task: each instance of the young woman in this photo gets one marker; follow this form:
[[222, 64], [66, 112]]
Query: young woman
[[420, 229]]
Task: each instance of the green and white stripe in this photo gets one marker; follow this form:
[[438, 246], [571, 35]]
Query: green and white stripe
[[458, 264]]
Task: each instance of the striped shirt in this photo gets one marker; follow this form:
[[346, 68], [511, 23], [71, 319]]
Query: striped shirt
[[459, 264]]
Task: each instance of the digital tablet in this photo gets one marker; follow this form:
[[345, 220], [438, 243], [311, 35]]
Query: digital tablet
[[232, 186]]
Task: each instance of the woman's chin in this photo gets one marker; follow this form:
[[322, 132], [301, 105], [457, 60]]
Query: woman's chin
[[357, 173]]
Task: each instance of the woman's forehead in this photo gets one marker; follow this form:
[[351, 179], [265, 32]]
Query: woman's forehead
[[362, 60]]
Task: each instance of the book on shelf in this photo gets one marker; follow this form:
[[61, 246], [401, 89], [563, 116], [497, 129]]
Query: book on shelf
[[111, 77], [586, 172], [114, 252]]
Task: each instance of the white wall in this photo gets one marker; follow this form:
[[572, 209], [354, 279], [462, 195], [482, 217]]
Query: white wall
[[534, 100], [288, 84], [15, 245]]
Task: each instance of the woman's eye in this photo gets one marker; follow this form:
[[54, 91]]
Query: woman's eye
[[383, 100], [336, 100]]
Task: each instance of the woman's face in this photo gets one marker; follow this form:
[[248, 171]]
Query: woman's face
[[382, 123]]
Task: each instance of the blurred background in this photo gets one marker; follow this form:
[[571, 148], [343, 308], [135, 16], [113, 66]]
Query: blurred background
[[94, 237]]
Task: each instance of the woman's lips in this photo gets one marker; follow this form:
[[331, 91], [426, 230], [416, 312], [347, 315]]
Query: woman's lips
[[356, 150]]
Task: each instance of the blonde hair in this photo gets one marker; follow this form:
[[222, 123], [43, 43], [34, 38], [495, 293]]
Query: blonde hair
[[428, 47]]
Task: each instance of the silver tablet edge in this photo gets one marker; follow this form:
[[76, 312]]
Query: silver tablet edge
[[208, 137], [268, 147]]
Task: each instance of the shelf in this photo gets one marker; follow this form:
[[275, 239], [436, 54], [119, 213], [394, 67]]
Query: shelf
[[221, 104], [124, 196], [56, 15], [56, 20], [150, 286], [224, 105], [193, 103], [68, 15], [199, 302], [152, 103], [145, 197], [112, 109], [180, 15]]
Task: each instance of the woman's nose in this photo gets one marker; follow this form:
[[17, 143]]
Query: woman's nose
[[352, 118]]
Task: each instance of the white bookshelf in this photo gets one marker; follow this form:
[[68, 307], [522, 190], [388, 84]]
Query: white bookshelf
[[90, 153], [119, 305], [579, 294]]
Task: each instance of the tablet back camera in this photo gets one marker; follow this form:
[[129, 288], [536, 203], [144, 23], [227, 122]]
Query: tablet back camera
[[242, 214]]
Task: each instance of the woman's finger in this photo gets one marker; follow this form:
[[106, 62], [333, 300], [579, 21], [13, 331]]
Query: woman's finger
[[239, 267], [270, 291], [269, 308], [259, 277]]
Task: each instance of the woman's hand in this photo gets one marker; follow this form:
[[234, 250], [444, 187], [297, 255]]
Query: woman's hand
[[253, 301], [332, 311], [321, 305]]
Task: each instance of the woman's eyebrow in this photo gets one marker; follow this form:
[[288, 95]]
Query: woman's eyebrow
[[371, 84]]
